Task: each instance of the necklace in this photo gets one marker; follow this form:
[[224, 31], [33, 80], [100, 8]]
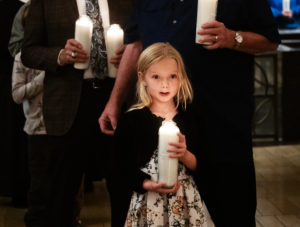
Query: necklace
[[168, 116]]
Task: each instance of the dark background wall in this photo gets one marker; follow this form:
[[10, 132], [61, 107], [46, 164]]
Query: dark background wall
[[13, 148]]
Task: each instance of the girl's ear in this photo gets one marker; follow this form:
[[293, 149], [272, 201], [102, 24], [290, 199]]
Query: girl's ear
[[141, 78]]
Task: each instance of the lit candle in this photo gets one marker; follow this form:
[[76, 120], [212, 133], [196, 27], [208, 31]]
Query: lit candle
[[83, 34], [207, 10], [167, 167], [286, 5], [114, 40]]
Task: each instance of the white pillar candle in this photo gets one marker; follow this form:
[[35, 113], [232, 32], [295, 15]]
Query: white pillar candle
[[83, 34], [286, 5], [207, 10], [167, 167], [114, 40]]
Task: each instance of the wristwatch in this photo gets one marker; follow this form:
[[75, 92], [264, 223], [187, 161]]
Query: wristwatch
[[238, 39]]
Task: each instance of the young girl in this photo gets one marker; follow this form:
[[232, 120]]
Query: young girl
[[164, 92]]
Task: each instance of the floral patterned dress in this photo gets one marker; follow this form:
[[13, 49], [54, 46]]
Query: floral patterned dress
[[152, 209]]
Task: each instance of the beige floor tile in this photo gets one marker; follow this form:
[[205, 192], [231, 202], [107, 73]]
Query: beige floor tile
[[269, 221], [295, 200], [285, 206], [258, 224], [265, 207], [289, 220]]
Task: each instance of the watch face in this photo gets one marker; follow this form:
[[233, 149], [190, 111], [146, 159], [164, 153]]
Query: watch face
[[238, 37]]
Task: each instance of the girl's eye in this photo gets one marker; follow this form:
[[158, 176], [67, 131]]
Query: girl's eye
[[173, 76], [155, 76]]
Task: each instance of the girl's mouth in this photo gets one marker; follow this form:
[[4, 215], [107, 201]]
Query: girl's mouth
[[164, 93]]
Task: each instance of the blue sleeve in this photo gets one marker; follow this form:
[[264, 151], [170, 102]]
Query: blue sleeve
[[276, 7], [296, 7]]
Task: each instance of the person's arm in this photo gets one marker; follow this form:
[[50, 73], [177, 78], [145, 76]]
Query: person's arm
[[127, 171], [125, 81], [35, 51], [222, 37], [38, 52], [21, 88], [17, 32], [257, 26]]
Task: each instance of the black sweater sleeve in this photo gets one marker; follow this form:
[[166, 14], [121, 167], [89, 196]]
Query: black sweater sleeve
[[127, 154]]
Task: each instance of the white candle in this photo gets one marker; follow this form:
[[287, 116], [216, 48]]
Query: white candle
[[207, 10], [286, 5], [167, 167], [114, 40], [83, 34]]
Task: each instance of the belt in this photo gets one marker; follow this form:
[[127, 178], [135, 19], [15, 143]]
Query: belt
[[96, 83]]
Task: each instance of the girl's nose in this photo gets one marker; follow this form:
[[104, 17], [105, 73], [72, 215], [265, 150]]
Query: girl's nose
[[164, 83]]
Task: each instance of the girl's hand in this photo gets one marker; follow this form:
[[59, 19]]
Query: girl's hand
[[179, 151], [154, 186]]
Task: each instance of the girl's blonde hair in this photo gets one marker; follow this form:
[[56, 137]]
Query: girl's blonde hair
[[155, 53]]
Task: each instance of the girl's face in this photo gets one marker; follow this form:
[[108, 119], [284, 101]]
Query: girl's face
[[162, 81]]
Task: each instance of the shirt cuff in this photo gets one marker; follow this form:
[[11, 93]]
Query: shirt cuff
[[58, 61]]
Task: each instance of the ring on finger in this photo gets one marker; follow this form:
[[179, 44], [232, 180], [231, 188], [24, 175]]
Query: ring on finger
[[216, 37], [73, 54]]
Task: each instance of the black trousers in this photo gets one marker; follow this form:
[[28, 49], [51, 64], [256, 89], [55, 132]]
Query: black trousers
[[229, 192], [57, 163], [226, 170]]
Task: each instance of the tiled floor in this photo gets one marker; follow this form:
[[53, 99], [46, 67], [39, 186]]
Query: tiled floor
[[278, 192], [278, 186]]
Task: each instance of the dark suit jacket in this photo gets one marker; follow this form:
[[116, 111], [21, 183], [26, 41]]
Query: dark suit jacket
[[50, 23]]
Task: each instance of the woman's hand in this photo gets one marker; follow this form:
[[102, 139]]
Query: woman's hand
[[216, 33], [116, 59], [72, 53], [159, 187]]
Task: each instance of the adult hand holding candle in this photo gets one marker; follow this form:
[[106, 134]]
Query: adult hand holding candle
[[207, 10], [114, 40], [83, 34], [167, 167]]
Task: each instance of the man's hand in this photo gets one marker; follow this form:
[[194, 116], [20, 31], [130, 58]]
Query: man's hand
[[72, 53], [108, 119], [287, 13], [216, 33]]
